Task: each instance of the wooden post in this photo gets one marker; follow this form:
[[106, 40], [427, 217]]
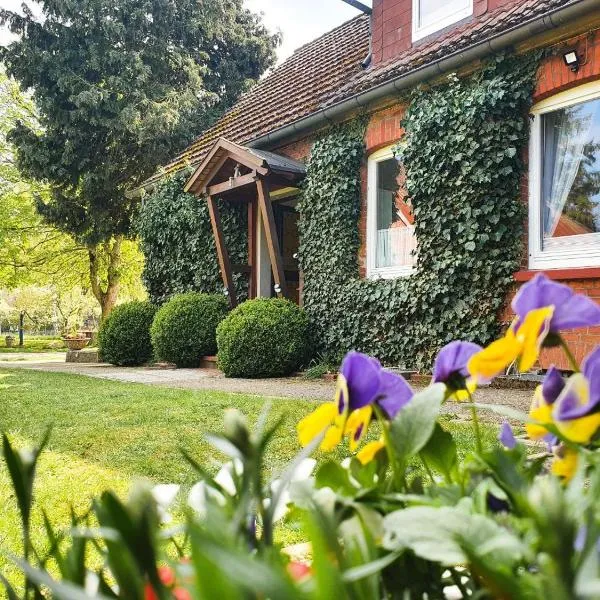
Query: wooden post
[[266, 210], [222, 254], [252, 262]]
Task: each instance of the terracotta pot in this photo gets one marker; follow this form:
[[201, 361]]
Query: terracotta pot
[[76, 343]]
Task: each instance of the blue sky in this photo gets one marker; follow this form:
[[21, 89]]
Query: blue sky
[[301, 21]]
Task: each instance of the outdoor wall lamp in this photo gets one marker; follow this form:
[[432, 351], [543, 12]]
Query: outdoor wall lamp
[[571, 59], [277, 288]]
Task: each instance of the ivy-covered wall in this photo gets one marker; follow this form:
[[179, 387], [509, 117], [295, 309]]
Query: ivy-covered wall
[[462, 153], [178, 243]]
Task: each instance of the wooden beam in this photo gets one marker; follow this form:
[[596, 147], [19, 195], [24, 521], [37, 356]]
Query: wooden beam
[[221, 151], [222, 254], [252, 225], [231, 184], [266, 210]]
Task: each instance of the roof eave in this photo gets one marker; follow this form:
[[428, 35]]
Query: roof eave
[[336, 112]]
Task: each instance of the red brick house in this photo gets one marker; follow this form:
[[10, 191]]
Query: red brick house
[[362, 67]]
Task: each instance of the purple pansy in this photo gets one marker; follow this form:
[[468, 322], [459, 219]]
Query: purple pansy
[[571, 310], [452, 361], [506, 436], [570, 407], [368, 383], [553, 385]]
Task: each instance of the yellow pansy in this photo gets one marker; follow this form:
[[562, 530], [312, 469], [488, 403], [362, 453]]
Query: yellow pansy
[[521, 342], [569, 411], [565, 463], [316, 422], [358, 425], [541, 412], [368, 452]]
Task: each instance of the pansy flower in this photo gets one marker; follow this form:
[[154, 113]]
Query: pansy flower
[[507, 436], [543, 309], [571, 310], [362, 385], [576, 412], [451, 369], [522, 343], [541, 406], [565, 462]]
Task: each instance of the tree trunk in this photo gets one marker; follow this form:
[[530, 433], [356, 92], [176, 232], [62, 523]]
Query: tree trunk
[[106, 290]]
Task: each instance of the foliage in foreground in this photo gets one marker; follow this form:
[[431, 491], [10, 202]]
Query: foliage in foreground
[[265, 337], [124, 336], [498, 524], [184, 329]]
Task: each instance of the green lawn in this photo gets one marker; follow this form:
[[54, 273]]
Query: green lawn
[[32, 343], [107, 434]]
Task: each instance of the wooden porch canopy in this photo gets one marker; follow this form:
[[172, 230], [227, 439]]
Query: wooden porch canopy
[[245, 175]]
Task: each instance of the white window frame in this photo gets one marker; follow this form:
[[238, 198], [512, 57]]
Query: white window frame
[[374, 272], [419, 33], [572, 251]]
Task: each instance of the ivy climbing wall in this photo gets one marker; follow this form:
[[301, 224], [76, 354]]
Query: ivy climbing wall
[[178, 244], [462, 151]]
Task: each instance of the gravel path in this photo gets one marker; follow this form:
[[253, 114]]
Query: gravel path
[[207, 379]]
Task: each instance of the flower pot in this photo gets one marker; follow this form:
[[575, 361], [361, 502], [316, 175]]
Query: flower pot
[[76, 343], [10, 341]]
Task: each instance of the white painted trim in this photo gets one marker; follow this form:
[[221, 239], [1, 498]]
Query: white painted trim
[[464, 9], [373, 272], [572, 251]]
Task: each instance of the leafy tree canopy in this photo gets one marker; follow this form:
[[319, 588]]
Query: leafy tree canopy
[[120, 86]]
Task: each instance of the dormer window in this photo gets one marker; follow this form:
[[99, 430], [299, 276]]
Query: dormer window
[[430, 16]]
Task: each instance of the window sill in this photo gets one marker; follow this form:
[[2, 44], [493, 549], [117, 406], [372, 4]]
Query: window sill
[[392, 273], [560, 274]]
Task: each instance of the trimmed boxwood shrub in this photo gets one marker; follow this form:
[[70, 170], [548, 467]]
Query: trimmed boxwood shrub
[[124, 336], [184, 328], [263, 338]]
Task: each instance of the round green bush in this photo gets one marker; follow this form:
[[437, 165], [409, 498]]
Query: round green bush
[[124, 336], [263, 338], [184, 328]]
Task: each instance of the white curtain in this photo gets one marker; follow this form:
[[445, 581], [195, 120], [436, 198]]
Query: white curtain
[[395, 247], [566, 134]]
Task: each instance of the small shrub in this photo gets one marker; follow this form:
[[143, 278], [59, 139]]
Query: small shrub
[[124, 336], [184, 328], [263, 338]]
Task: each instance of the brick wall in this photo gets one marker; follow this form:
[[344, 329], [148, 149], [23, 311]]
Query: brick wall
[[384, 130], [392, 25], [392, 28], [553, 78]]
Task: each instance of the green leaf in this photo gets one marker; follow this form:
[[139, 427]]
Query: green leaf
[[440, 453], [440, 534], [413, 426]]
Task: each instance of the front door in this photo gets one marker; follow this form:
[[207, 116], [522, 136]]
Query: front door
[[286, 221]]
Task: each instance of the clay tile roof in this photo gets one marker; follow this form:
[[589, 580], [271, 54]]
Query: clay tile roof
[[293, 90], [328, 70], [456, 39]]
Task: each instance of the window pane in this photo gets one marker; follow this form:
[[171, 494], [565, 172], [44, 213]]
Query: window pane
[[395, 231], [571, 171], [432, 11]]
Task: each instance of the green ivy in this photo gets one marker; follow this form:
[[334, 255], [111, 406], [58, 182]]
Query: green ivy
[[462, 153], [178, 244]]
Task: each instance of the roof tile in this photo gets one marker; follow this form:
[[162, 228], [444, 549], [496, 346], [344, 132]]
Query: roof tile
[[328, 70]]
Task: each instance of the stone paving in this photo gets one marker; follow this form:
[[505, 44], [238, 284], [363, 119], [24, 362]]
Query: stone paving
[[209, 379]]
